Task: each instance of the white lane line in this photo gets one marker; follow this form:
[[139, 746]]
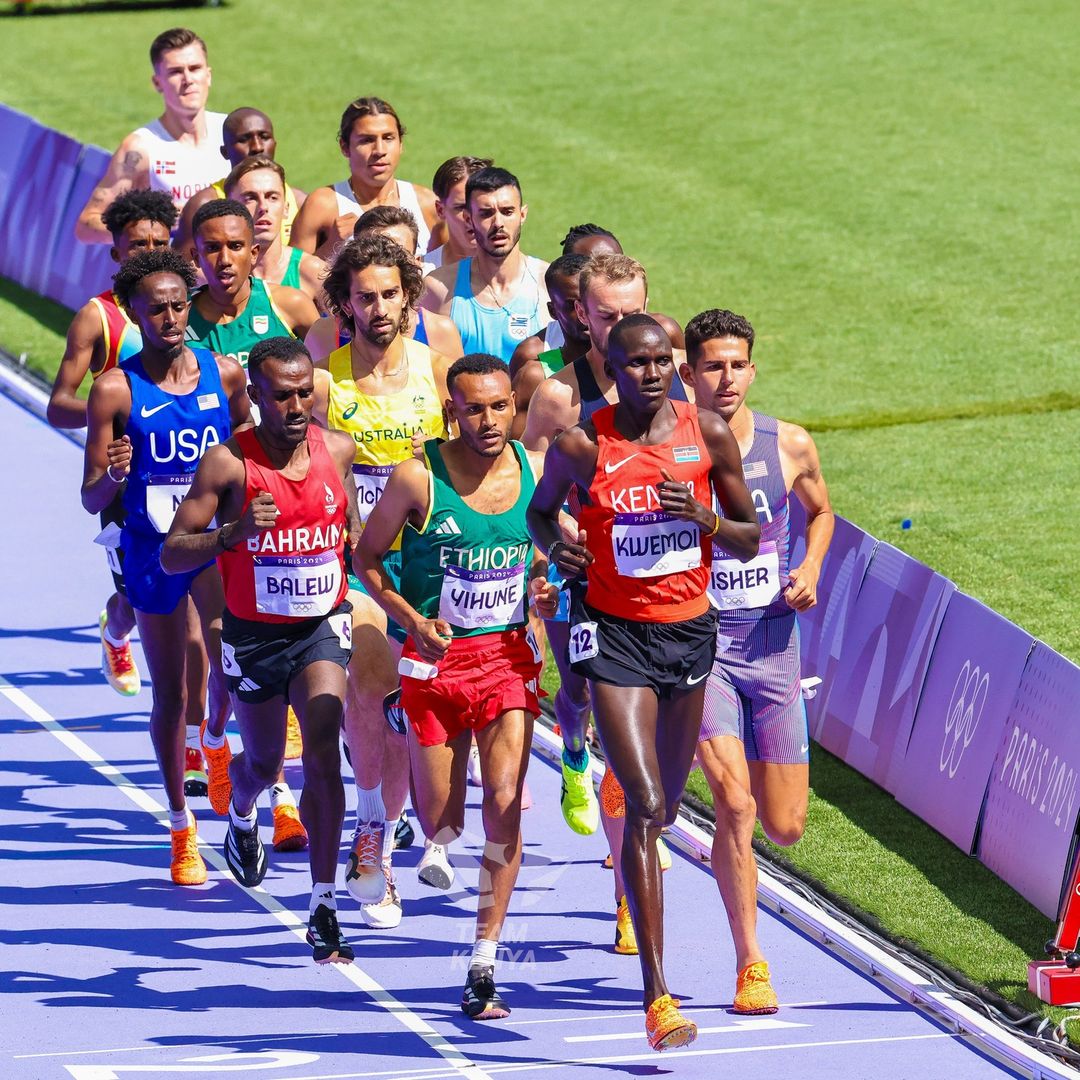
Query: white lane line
[[79, 1053], [747, 1026], [639, 1013], [406, 1017]]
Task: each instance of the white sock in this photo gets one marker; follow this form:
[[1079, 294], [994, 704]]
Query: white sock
[[191, 739], [324, 893], [179, 820], [116, 643], [213, 742], [244, 824], [369, 803], [483, 953], [281, 795], [388, 839]]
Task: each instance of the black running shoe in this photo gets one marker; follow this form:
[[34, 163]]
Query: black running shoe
[[324, 937], [403, 834], [246, 856], [394, 713], [480, 1000]]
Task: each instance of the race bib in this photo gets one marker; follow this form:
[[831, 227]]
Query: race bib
[[538, 656], [370, 483], [297, 586], [654, 544], [476, 599], [753, 584], [342, 627], [583, 642], [163, 495]]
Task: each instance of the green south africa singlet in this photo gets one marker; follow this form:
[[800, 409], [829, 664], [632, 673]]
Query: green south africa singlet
[[551, 361], [259, 319], [466, 567]]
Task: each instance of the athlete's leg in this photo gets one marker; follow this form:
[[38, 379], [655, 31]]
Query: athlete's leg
[[677, 738], [504, 755], [198, 669], [252, 771], [614, 826], [781, 793], [723, 762], [119, 616], [572, 697], [439, 783], [209, 598]]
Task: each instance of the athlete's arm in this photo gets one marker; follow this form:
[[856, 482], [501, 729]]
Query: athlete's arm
[[106, 458], [543, 594], [525, 382], [234, 383], [321, 340], [570, 459], [321, 398], [439, 289], [738, 531], [342, 450], [546, 416], [82, 353], [312, 274], [444, 336], [218, 479], [802, 471], [426, 198], [405, 499], [182, 239], [313, 222], [673, 330], [299, 309], [129, 168]]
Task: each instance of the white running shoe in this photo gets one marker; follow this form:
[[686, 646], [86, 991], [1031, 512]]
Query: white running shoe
[[386, 914], [435, 869]]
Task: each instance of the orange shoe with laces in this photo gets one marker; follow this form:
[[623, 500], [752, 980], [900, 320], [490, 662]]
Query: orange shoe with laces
[[219, 786], [187, 866], [289, 831], [754, 995], [118, 664], [363, 869], [666, 1027], [294, 741]]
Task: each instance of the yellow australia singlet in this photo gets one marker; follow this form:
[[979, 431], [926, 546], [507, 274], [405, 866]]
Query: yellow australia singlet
[[382, 425], [292, 208]]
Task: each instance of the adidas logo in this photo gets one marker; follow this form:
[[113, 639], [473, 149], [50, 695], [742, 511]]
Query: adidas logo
[[248, 686], [449, 527]]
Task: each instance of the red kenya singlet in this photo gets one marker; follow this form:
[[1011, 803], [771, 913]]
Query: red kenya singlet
[[296, 570], [648, 566]]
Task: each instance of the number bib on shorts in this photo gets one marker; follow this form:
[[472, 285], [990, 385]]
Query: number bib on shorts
[[752, 584], [163, 495], [298, 586], [653, 544], [370, 483], [474, 599]]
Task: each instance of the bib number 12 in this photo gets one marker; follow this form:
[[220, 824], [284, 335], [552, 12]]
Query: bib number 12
[[583, 642]]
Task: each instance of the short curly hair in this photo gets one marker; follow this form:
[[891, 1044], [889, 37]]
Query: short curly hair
[[143, 264], [139, 204], [360, 253], [716, 323]]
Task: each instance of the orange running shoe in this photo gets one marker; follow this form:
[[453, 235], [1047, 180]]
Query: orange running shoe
[[294, 741], [217, 765], [754, 995], [666, 1027], [625, 938], [289, 831], [187, 867], [118, 665]]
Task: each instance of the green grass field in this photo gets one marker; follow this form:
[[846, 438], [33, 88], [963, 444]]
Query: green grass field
[[885, 191]]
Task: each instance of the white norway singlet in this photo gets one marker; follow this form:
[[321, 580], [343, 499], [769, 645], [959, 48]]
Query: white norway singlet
[[178, 168]]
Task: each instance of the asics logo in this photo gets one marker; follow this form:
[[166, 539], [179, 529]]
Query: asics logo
[[963, 714], [146, 413], [693, 682], [614, 466]]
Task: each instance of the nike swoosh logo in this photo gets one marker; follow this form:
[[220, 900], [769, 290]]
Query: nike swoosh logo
[[694, 682], [804, 749], [610, 468], [145, 413]]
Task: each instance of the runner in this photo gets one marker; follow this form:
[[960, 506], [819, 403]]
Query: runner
[[170, 404], [449, 187], [234, 309], [259, 184], [589, 240], [100, 335], [532, 361], [285, 491], [426, 327], [177, 153], [382, 389], [754, 747], [469, 663], [644, 634], [496, 298], [370, 138], [246, 133]]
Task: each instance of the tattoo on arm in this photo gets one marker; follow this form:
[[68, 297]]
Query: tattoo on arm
[[132, 161]]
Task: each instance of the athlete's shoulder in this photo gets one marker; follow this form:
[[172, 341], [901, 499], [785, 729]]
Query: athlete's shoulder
[[296, 304], [230, 369], [714, 428], [339, 443], [445, 275], [794, 441]]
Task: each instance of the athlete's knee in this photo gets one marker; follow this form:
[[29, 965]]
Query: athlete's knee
[[170, 699], [733, 804], [787, 830], [502, 810], [321, 759], [645, 807]]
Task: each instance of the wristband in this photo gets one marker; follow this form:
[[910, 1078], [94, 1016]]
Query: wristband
[[108, 473], [221, 539], [716, 526], [553, 545]]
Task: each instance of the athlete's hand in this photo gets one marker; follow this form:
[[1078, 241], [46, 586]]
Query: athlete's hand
[[432, 637], [677, 500], [801, 592], [119, 451], [573, 559], [343, 227], [418, 440], [259, 514], [544, 596]]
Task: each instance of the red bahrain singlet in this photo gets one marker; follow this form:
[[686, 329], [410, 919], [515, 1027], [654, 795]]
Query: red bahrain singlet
[[296, 570], [648, 566]]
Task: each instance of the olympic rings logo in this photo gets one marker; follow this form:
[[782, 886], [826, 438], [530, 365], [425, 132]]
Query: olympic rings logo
[[963, 715]]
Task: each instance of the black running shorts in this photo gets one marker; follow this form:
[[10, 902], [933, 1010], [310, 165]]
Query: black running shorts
[[114, 514], [662, 656], [260, 659]]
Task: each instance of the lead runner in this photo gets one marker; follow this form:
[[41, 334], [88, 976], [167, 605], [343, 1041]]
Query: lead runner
[[644, 633]]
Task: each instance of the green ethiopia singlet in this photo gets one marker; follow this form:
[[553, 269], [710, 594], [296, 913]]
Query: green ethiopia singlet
[[466, 567], [551, 361], [259, 319]]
